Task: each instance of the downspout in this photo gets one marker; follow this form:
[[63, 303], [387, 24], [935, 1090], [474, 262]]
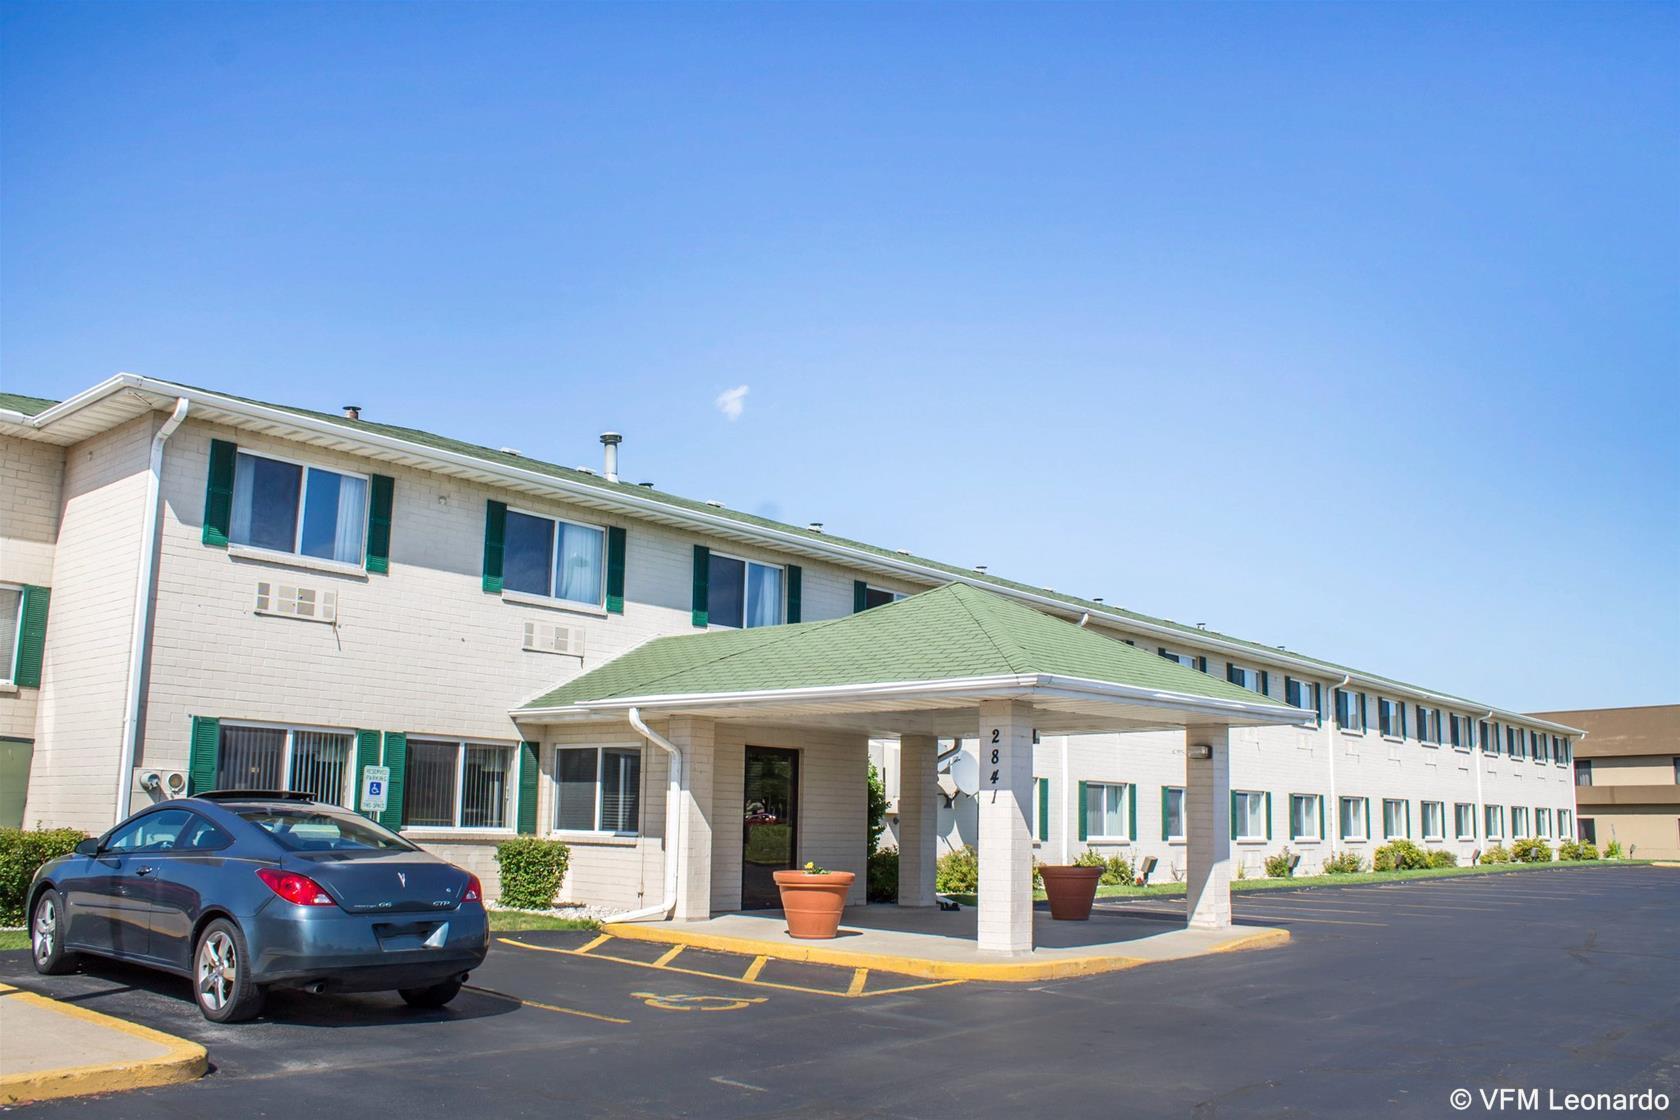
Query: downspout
[[1574, 790], [1481, 805], [673, 822], [1335, 806], [145, 581]]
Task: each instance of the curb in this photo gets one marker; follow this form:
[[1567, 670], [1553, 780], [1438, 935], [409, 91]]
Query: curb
[[181, 1061], [921, 967]]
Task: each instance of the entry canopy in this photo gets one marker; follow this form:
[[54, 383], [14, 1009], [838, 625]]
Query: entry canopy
[[917, 666]]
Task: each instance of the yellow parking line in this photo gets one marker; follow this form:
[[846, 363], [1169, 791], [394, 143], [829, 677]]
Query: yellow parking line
[[669, 956], [545, 1006], [756, 967], [595, 944], [859, 977]]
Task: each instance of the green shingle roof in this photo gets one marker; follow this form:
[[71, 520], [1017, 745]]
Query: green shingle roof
[[29, 406], [950, 633]]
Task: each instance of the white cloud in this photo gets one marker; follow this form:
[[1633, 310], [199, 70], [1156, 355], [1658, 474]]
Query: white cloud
[[731, 402]]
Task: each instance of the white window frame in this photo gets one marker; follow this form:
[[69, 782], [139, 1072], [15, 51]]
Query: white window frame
[[867, 588], [510, 808], [601, 750], [1459, 732], [17, 633], [303, 504], [1312, 835], [1310, 693], [1440, 832], [1405, 815], [1362, 833], [1356, 711], [1240, 821], [1251, 677], [1460, 810], [746, 582], [1543, 822], [600, 601], [1397, 714], [1179, 836], [1188, 660], [1566, 825], [1125, 834], [1520, 832], [352, 783], [1493, 822]]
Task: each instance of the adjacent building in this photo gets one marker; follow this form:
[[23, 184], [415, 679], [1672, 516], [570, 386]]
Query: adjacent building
[[1627, 777]]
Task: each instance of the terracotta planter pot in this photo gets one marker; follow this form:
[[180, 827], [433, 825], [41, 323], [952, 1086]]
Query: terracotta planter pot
[[1071, 891], [813, 903]]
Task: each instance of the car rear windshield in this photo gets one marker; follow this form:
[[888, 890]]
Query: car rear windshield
[[300, 829]]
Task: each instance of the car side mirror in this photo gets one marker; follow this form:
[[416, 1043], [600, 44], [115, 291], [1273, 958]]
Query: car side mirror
[[88, 848]]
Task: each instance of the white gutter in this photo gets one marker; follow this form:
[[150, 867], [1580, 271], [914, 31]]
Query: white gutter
[[144, 580], [673, 822], [1335, 806], [622, 497]]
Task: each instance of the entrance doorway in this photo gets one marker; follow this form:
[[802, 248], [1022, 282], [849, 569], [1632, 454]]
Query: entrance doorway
[[770, 825]]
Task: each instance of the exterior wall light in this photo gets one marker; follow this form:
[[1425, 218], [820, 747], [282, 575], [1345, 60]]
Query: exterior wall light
[[1201, 752]]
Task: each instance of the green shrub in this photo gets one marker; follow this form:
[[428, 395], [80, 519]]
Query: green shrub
[[1399, 855], [1586, 849], [877, 810], [1344, 863], [1116, 871], [1531, 849], [1613, 850], [1569, 850], [958, 871], [1439, 858], [21, 855], [532, 871], [883, 875], [1281, 866], [1496, 854]]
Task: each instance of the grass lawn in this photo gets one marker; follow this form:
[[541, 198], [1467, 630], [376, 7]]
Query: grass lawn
[[13, 939], [505, 920], [1176, 889]]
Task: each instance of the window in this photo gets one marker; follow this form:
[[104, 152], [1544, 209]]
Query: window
[[1566, 824], [154, 832], [1107, 812], [553, 558], [1458, 728], [1538, 746], [1514, 743], [11, 609], [287, 507], [1188, 660], [1583, 771], [1391, 718], [1434, 819], [1428, 725], [1255, 680], [449, 783], [1354, 820], [1306, 816], [1304, 694], [1519, 822], [600, 789], [1172, 813], [1397, 818], [879, 597], [296, 759], [1489, 736], [1464, 821], [743, 593], [1543, 823], [1495, 822], [1589, 830], [1350, 711], [1250, 816]]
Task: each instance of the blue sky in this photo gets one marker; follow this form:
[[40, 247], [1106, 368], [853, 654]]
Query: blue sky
[[1348, 328]]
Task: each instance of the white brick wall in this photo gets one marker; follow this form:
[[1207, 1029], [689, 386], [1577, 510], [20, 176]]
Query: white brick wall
[[31, 488]]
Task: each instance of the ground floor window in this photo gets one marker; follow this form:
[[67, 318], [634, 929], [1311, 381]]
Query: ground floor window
[[1464, 821], [1355, 818], [1519, 822], [1397, 818], [451, 783], [296, 759], [1434, 820], [1589, 830], [1566, 824], [1172, 813], [1107, 811], [1306, 816], [599, 790], [1495, 822], [1543, 823], [1251, 816]]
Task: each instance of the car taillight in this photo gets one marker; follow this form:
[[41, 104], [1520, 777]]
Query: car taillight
[[300, 890], [474, 891]]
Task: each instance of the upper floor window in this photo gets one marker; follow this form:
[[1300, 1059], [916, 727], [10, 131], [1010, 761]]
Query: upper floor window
[[1489, 736], [1514, 742], [288, 507], [301, 760], [448, 783], [1188, 660], [1391, 718], [1350, 710], [1304, 694], [1428, 724], [554, 558], [1255, 680], [1458, 731], [879, 596], [1583, 771], [11, 608], [743, 593], [1541, 748]]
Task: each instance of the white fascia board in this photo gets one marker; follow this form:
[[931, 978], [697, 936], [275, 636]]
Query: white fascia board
[[834, 550]]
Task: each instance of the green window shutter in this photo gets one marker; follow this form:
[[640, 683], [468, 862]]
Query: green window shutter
[[1321, 816], [1044, 809], [367, 754], [1367, 818], [1268, 814], [495, 540], [860, 595], [1164, 792], [1131, 809], [1084, 827], [1265, 683], [201, 757], [1233, 814], [527, 788], [702, 585], [32, 635], [615, 570], [380, 491], [795, 592], [1408, 820], [218, 493], [396, 760]]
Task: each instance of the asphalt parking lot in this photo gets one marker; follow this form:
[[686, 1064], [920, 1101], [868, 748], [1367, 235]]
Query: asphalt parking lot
[[1387, 998]]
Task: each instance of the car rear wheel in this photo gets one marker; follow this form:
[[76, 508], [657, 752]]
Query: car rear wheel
[[222, 975], [46, 936], [435, 996]]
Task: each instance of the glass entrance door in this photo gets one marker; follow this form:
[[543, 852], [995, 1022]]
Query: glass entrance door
[[769, 832]]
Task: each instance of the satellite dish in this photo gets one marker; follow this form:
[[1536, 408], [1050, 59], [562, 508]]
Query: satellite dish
[[965, 771]]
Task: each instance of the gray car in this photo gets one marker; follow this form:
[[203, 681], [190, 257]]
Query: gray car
[[242, 891]]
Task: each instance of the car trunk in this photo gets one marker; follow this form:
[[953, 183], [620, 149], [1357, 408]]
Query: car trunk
[[391, 882]]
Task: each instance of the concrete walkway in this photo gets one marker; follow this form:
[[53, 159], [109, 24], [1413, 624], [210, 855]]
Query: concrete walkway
[[940, 945], [51, 1049]]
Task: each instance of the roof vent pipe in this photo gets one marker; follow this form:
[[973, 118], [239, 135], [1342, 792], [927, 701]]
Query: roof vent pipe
[[352, 412], [609, 443], [981, 568], [816, 526]]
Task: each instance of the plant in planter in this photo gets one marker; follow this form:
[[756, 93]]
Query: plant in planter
[[1071, 888], [813, 899]]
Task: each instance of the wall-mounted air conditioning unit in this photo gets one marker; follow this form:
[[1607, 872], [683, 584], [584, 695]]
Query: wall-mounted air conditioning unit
[[153, 784], [291, 601], [551, 637]]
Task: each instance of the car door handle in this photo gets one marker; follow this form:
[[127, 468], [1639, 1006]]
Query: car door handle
[[144, 870]]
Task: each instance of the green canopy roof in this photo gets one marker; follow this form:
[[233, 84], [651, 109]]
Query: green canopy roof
[[953, 635]]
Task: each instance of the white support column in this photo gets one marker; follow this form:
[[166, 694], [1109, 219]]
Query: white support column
[[918, 818], [1207, 827], [1006, 761], [694, 880]]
